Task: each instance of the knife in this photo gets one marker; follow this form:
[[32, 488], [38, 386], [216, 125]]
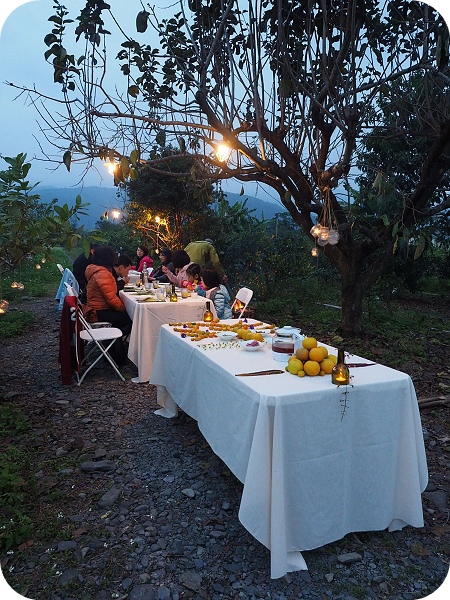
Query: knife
[[353, 365], [270, 372]]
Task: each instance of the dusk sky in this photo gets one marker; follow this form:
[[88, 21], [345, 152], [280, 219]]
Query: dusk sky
[[23, 25]]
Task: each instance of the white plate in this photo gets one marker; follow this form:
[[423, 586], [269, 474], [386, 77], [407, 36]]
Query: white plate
[[226, 335], [264, 332]]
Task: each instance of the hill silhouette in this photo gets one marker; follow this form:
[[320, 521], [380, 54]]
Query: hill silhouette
[[101, 199]]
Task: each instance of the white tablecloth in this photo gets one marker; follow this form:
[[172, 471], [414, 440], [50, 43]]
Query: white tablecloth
[[147, 319], [310, 476]]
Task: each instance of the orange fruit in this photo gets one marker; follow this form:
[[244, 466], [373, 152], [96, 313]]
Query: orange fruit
[[309, 342], [256, 336], [240, 332], [311, 368], [318, 353], [327, 365], [301, 373], [294, 366], [302, 353], [333, 358]]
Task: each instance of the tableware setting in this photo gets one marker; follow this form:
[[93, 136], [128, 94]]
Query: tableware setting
[[226, 335], [252, 345]]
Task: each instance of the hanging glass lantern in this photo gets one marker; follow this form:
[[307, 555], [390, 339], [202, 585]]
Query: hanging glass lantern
[[314, 252], [43, 261], [4, 305], [323, 235], [38, 267], [333, 237], [322, 242], [315, 230]]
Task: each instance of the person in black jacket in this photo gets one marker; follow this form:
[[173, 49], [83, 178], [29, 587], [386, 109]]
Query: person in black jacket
[[120, 271], [78, 269], [165, 256]]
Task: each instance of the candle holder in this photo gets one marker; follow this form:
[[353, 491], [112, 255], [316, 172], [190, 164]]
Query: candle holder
[[340, 375]]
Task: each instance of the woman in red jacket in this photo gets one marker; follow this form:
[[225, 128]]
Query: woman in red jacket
[[103, 303]]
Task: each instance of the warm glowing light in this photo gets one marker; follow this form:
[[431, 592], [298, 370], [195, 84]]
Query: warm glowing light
[[223, 152], [158, 219], [314, 252], [115, 213], [43, 261], [111, 166], [16, 285], [38, 267], [4, 305]]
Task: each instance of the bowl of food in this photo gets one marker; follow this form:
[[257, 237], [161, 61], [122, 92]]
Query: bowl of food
[[264, 332], [251, 345], [226, 336]]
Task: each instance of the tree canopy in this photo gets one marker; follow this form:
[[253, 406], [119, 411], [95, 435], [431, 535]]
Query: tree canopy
[[297, 89]]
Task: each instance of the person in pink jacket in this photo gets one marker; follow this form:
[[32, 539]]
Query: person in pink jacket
[[143, 258]]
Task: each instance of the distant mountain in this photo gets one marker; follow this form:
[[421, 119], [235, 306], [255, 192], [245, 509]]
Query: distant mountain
[[262, 208], [101, 199]]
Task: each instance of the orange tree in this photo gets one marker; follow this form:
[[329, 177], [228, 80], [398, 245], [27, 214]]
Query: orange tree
[[293, 88]]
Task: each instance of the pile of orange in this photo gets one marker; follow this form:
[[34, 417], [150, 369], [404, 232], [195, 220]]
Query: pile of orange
[[311, 359]]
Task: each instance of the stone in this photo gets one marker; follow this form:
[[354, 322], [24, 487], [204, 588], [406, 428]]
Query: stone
[[143, 591], [191, 579], [99, 465], [109, 498], [349, 557]]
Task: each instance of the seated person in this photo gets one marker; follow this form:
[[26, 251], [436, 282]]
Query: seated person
[[181, 262], [103, 303], [79, 268], [166, 261], [217, 292], [120, 271], [143, 258], [193, 277]]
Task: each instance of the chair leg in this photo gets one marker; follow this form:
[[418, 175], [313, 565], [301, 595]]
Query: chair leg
[[103, 352]]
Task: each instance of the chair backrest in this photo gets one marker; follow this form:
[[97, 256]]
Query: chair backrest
[[244, 295], [70, 290], [60, 267]]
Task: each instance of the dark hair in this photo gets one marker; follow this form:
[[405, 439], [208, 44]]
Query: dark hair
[[144, 249], [167, 253], [195, 270], [104, 256], [180, 259], [123, 261], [94, 245], [211, 277]]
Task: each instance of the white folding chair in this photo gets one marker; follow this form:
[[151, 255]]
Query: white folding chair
[[101, 338], [243, 296]]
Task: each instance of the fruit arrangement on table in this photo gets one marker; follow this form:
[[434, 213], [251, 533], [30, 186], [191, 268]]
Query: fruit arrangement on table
[[197, 332], [311, 359]]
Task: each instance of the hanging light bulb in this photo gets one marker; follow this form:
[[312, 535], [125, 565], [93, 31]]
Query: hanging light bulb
[[315, 230], [43, 261], [322, 242], [4, 305], [323, 235], [314, 252], [38, 267]]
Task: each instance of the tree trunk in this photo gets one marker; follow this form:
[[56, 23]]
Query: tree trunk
[[352, 294]]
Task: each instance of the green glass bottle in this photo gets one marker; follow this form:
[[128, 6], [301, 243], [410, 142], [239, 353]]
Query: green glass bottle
[[340, 375], [173, 295]]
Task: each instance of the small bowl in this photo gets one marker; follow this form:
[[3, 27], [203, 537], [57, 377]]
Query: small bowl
[[226, 335], [264, 332], [251, 345]]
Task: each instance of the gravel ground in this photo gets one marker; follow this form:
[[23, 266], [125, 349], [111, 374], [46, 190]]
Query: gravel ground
[[138, 507]]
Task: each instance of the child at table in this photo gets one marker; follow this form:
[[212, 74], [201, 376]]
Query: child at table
[[193, 278], [216, 291]]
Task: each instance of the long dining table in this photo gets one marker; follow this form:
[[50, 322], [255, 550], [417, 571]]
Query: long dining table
[[316, 460], [147, 319]]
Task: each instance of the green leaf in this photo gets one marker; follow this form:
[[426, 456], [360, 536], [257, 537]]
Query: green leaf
[[133, 91], [182, 144], [142, 21], [134, 157], [421, 247], [125, 166], [241, 193], [50, 39], [67, 159]]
